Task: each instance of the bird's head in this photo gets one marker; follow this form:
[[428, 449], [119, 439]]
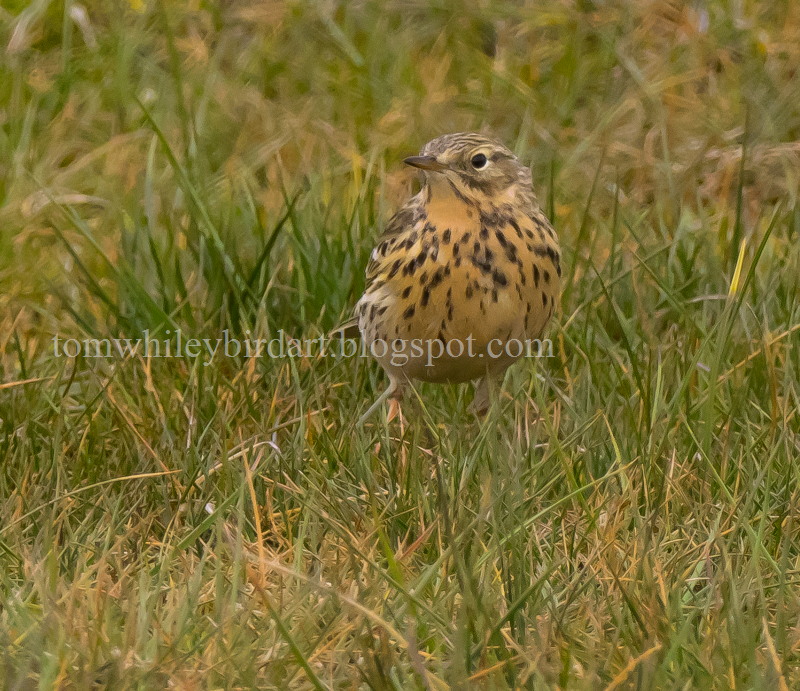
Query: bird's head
[[471, 165]]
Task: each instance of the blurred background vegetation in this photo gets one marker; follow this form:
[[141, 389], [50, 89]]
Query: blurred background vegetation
[[227, 165]]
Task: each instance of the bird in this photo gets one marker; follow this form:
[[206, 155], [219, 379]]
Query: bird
[[466, 266]]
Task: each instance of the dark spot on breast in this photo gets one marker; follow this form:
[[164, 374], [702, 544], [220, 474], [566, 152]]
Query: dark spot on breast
[[395, 268], [456, 249], [425, 296], [446, 236], [546, 275], [406, 292], [409, 312], [485, 267], [484, 233], [529, 233], [501, 238], [535, 275], [544, 299], [490, 218], [499, 277], [494, 295], [468, 292], [437, 278]]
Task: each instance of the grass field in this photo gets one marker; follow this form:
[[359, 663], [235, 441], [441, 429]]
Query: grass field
[[626, 517]]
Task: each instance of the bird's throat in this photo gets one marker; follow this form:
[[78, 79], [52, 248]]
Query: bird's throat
[[448, 211]]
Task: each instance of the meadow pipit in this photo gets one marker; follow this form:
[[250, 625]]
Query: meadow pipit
[[466, 273]]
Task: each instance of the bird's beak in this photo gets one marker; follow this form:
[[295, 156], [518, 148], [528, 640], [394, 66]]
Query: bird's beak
[[425, 163]]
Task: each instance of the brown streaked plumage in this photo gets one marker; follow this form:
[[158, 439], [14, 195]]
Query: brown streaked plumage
[[471, 256]]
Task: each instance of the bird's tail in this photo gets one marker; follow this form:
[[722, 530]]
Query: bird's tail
[[348, 329]]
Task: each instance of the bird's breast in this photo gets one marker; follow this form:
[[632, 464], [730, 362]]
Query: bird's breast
[[462, 273]]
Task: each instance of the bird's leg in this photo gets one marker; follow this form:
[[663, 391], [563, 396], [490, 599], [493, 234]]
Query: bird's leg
[[393, 391], [483, 395]]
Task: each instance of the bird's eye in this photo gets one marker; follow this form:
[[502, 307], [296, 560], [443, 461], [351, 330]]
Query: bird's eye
[[479, 161]]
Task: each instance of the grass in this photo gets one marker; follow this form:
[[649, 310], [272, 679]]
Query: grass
[[227, 166]]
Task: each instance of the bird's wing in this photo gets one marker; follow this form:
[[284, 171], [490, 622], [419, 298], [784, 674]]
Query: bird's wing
[[405, 218], [347, 329], [402, 221]]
